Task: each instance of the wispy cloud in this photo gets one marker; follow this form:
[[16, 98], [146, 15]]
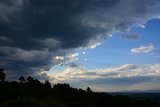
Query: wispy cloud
[[143, 49]]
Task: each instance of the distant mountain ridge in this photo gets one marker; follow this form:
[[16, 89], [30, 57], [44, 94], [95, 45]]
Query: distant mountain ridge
[[137, 91]]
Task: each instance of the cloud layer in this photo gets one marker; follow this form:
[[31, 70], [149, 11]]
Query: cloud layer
[[33, 33], [127, 77]]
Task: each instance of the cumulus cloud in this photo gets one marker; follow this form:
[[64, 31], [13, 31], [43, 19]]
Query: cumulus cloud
[[129, 76], [65, 60], [46, 29], [143, 49], [128, 70]]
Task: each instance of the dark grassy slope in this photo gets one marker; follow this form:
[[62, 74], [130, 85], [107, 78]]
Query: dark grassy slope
[[31, 102]]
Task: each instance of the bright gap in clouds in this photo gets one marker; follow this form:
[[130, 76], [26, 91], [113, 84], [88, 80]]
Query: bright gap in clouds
[[112, 66]]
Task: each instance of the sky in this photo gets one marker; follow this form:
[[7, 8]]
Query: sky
[[108, 45]]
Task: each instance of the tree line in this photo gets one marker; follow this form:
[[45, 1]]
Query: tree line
[[31, 91]]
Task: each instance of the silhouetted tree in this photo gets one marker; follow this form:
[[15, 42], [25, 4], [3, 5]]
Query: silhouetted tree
[[33, 83], [30, 79], [61, 86], [37, 82], [88, 89], [22, 79], [47, 84], [2, 74]]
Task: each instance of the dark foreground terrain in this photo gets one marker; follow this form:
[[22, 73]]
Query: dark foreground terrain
[[32, 93]]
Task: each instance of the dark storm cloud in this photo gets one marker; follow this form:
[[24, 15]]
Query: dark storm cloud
[[44, 20], [33, 32]]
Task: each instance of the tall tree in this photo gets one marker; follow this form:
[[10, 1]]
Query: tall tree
[[88, 90], [2, 74], [22, 79], [47, 84]]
